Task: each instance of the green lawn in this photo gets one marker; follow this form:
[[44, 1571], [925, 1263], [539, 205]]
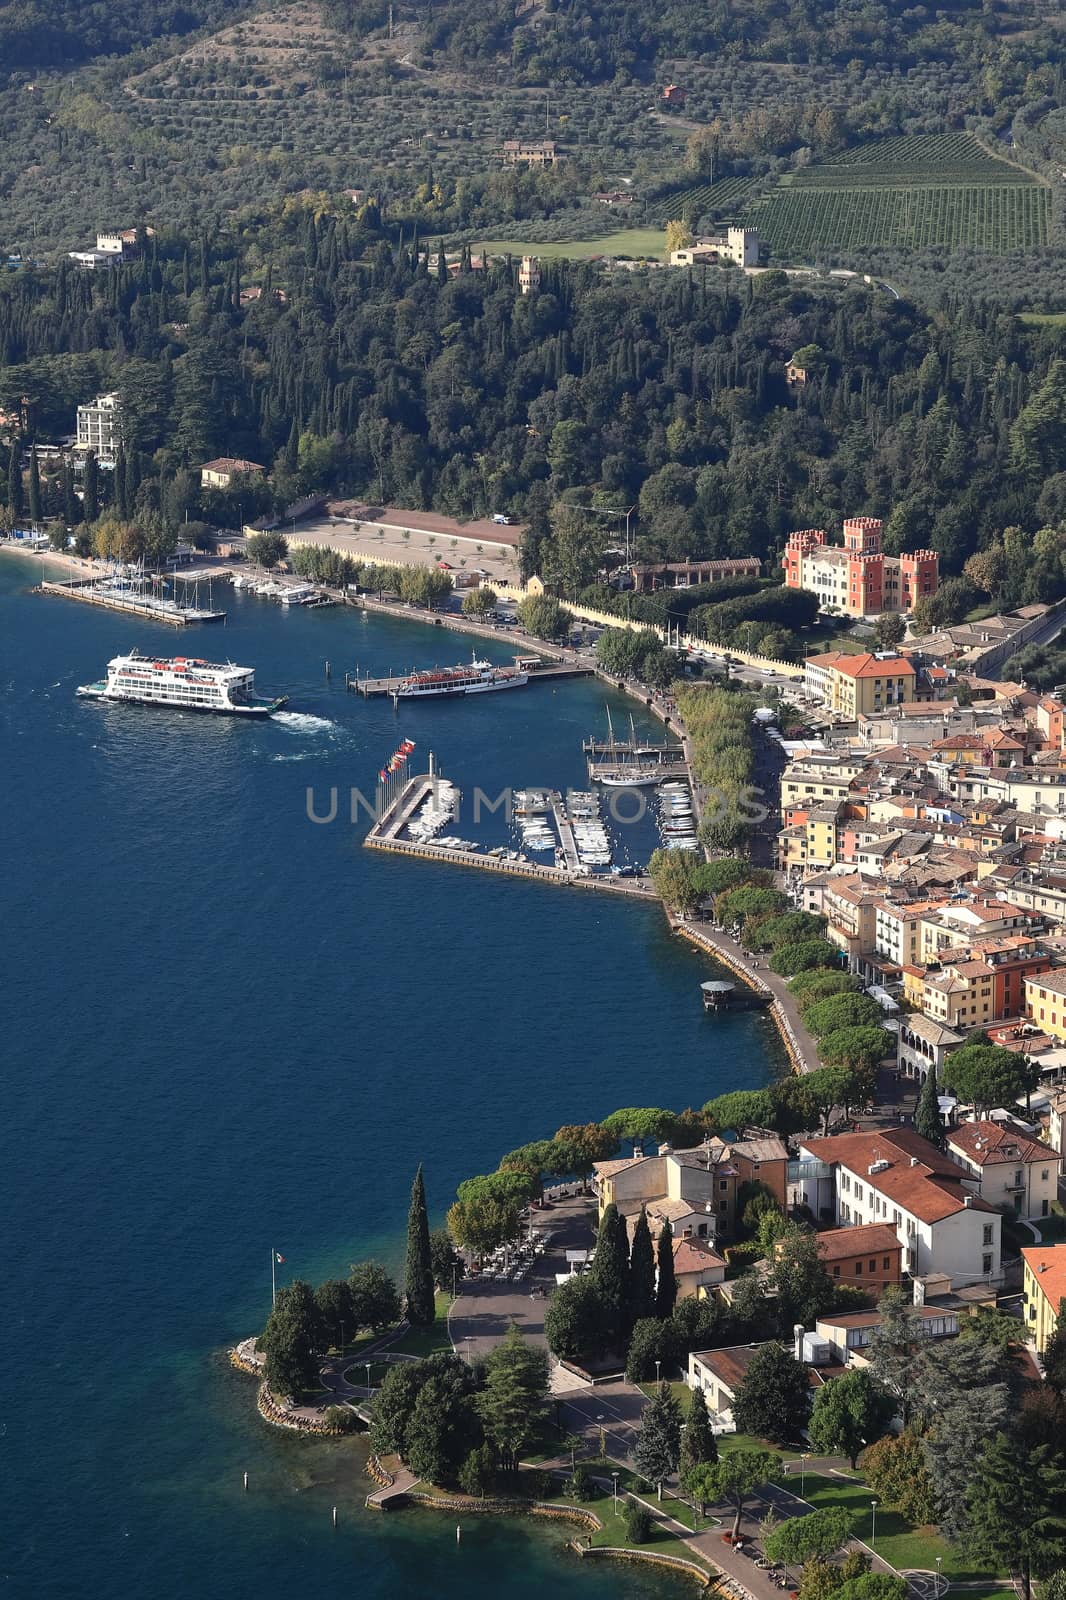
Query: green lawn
[[629, 242], [897, 1541], [680, 1391], [426, 1341], [663, 1541]]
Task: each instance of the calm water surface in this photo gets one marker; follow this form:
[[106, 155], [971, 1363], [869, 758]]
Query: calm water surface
[[225, 1028]]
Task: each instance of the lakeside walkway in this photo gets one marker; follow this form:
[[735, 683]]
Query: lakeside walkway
[[798, 1040]]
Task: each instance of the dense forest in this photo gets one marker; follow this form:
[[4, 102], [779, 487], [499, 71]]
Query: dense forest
[[362, 369]]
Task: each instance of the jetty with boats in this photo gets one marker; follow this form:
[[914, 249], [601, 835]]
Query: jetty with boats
[[138, 594], [632, 763]]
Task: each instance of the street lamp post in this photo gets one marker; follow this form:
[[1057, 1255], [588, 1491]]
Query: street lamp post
[[804, 1458], [873, 1523], [614, 1475], [367, 1365], [658, 1366], [939, 1559]]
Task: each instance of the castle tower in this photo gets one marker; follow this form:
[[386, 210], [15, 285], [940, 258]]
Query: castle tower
[[862, 535], [529, 274]]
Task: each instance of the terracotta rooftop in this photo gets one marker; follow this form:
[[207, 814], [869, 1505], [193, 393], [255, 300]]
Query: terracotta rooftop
[[918, 1178], [1047, 1263], [1052, 982], [993, 1143], [838, 1244], [693, 1255]]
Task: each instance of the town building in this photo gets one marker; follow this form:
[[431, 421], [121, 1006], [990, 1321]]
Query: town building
[[868, 1257], [720, 1373], [1045, 1002], [1043, 1290], [674, 95], [694, 1190], [697, 1269], [858, 580], [687, 574], [896, 1177], [530, 153], [112, 248], [849, 1333], [1014, 1172], [858, 684], [923, 1045], [738, 246], [220, 473], [99, 428]]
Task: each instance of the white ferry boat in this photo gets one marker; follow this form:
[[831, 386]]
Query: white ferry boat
[[479, 677], [184, 682]]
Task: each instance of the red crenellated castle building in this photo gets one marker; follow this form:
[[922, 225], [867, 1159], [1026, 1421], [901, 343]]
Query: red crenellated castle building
[[858, 580]]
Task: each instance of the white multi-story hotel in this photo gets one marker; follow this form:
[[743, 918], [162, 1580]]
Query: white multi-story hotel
[[99, 427]]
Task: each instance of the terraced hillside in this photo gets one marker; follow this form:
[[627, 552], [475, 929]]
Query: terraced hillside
[[928, 191]]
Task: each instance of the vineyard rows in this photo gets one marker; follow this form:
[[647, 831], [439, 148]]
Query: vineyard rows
[[917, 149], [994, 217], [865, 177], [699, 201]]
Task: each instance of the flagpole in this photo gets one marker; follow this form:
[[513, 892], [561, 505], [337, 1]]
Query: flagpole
[[273, 1277]]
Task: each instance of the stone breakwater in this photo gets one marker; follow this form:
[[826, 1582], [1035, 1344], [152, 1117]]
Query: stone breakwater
[[506, 1504], [272, 1411]]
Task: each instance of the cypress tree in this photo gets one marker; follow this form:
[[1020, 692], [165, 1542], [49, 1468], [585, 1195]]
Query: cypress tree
[[421, 1309], [698, 1444], [91, 501], [14, 481], [121, 504], [927, 1112], [71, 503], [35, 487], [610, 1271], [641, 1271], [666, 1290]]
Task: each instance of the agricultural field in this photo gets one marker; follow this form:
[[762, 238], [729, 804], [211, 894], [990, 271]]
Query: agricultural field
[[924, 192], [704, 199], [634, 242]]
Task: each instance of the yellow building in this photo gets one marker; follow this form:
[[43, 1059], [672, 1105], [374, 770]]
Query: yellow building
[[1045, 1002], [1043, 1289], [854, 685]]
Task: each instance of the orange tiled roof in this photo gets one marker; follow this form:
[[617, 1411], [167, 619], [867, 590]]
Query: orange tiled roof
[[1047, 1263]]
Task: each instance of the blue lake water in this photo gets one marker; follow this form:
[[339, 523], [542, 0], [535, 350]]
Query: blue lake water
[[227, 1029]]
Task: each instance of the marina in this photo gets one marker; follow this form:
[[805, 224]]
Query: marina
[[632, 763], [134, 598]]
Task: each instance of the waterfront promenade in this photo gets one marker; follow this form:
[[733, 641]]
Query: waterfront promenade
[[799, 1042]]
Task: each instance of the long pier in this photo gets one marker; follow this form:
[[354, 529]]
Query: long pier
[[566, 832], [393, 685], [90, 593]]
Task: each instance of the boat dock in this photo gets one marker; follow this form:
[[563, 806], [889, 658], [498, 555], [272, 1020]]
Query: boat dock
[[639, 772], [566, 832], [92, 592], [611, 759], [385, 835], [391, 685]]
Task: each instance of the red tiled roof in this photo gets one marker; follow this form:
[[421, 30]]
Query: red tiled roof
[[836, 1244], [1047, 1263], [991, 1143], [918, 1178], [693, 1255]]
